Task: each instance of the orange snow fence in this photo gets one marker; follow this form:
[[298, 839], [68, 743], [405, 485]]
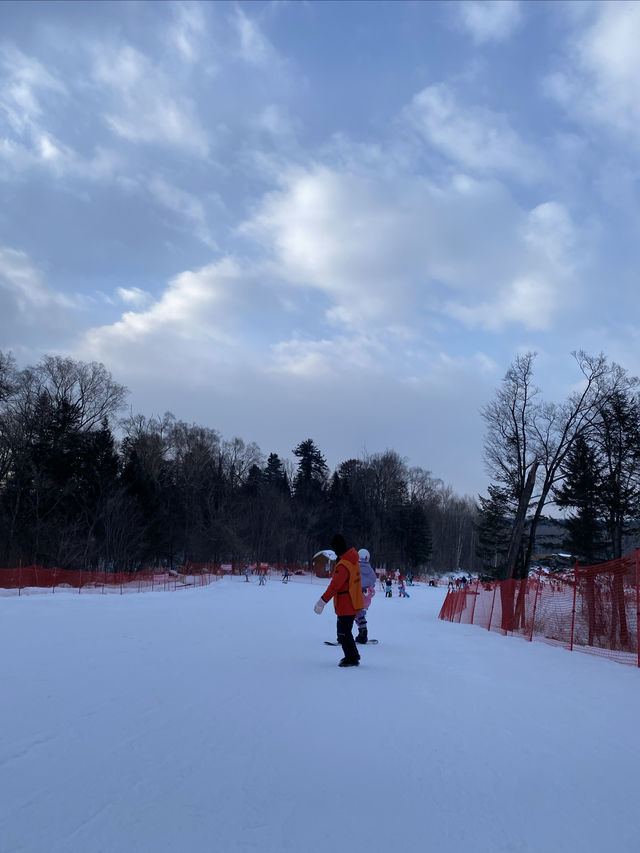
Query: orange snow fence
[[29, 579], [593, 609]]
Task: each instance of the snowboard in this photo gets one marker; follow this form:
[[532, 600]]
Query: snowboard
[[335, 643]]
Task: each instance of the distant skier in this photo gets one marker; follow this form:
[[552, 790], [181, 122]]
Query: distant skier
[[246, 573], [263, 577], [285, 576], [388, 591], [402, 592]]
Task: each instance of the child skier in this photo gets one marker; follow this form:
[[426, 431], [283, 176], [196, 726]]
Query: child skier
[[388, 592], [402, 592], [368, 580], [346, 590]]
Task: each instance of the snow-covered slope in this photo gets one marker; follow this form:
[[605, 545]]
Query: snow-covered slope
[[217, 720]]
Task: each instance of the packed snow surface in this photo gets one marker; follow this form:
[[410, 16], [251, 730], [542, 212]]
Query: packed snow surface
[[215, 719]]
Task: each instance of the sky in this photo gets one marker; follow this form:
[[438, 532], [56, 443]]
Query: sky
[[155, 721], [328, 220]]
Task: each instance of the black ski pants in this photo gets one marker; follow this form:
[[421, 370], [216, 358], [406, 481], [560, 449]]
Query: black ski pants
[[345, 638]]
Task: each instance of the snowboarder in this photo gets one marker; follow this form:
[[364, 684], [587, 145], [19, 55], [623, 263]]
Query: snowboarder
[[368, 580], [346, 590], [388, 591]]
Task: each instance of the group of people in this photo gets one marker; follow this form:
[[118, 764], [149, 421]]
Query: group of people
[[457, 583], [352, 588], [402, 592]]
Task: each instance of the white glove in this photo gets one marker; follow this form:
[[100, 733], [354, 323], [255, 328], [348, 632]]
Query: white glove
[[319, 606]]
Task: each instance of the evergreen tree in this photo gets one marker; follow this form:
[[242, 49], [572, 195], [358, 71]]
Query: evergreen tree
[[275, 475], [418, 539], [581, 491], [617, 441], [309, 492], [493, 530], [312, 473]]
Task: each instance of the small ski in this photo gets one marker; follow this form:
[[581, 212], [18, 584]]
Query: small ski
[[368, 643]]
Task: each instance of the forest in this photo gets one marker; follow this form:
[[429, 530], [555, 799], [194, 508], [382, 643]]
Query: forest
[[83, 487]]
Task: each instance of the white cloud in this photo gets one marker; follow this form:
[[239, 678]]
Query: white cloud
[[184, 204], [542, 288], [389, 252], [134, 296], [27, 89], [476, 137], [188, 30], [599, 79], [328, 357], [254, 47], [551, 232], [489, 20], [531, 302], [34, 316], [24, 82], [146, 105], [23, 283], [30, 95], [192, 321]]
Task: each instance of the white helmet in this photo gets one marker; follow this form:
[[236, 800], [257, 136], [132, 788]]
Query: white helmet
[[364, 554]]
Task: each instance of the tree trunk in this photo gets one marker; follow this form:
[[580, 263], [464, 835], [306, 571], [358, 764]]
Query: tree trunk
[[518, 524], [507, 587]]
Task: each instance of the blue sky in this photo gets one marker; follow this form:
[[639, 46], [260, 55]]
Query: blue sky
[[331, 220]]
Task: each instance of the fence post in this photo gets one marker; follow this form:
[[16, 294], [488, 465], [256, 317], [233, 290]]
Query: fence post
[[493, 601], [535, 603], [637, 556], [573, 611], [475, 598]]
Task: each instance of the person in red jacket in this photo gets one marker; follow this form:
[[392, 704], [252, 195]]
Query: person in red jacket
[[345, 586]]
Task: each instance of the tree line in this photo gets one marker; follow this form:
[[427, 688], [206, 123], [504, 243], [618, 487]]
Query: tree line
[[82, 487]]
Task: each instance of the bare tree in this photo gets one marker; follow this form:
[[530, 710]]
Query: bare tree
[[528, 440], [88, 389]]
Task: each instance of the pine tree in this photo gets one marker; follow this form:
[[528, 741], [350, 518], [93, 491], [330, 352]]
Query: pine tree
[[580, 491], [309, 492], [419, 544], [275, 475], [493, 529]]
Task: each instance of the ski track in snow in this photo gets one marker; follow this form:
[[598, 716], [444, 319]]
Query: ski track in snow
[[216, 719]]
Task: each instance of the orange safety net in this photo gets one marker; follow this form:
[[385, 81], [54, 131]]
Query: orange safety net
[[18, 581], [593, 609], [23, 578]]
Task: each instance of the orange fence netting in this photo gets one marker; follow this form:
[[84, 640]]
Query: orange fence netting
[[32, 579], [593, 609]]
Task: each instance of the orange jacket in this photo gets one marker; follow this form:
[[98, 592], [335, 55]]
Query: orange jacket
[[339, 588]]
